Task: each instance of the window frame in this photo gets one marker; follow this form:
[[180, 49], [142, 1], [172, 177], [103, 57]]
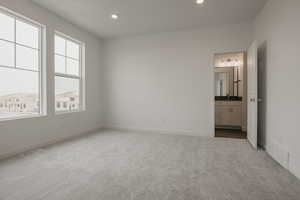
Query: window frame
[[41, 70], [80, 77]]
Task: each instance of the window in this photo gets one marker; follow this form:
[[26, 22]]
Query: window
[[69, 79], [20, 66]]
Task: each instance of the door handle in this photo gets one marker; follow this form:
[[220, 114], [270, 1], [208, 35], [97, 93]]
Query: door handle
[[252, 99]]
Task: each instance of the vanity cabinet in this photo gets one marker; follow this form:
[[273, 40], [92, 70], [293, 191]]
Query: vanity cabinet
[[228, 113]]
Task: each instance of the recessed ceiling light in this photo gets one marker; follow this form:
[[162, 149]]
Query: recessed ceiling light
[[114, 16], [199, 1]]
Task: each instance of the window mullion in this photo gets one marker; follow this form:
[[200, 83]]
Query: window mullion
[[80, 75], [66, 60], [67, 76], [41, 81], [15, 41]]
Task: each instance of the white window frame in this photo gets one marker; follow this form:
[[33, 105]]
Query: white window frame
[[41, 63], [81, 77]]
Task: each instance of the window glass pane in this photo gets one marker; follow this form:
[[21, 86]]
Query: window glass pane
[[27, 34], [19, 92], [60, 64], [27, 58], [72, 67], [60, 45], [7, 54], [7, 25], [73, 50], [66, 94]]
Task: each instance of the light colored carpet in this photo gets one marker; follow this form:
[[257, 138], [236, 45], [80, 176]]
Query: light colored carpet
[[131, 166]]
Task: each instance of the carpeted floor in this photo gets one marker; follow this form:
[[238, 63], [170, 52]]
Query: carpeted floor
[[130, 166]]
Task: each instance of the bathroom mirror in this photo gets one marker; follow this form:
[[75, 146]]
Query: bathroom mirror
[[229, 75], [224, 81]]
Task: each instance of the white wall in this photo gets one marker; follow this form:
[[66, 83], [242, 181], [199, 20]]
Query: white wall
[[165, 82], [23, 134], [278, 27]]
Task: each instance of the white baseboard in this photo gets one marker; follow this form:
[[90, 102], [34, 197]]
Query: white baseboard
[[252, 141], [45, 144], [278, 153], [162, 131], [281, 155], [294, 165]]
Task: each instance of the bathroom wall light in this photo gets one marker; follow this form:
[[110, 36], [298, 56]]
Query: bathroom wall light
[[199, 1], [114, 16]]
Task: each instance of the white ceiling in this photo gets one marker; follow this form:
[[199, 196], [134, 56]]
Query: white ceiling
[[149, 16]]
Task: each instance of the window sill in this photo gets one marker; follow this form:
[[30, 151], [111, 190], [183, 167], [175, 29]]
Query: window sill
[[69, 112], [32, 116]]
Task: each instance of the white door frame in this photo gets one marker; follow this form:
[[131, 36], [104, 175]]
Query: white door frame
[[252, 93], [213, 88]]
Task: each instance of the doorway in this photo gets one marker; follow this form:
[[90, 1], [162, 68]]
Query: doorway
[[230, 95]]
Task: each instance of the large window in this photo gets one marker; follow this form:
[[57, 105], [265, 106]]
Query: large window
[[20, 66], [69, 74]]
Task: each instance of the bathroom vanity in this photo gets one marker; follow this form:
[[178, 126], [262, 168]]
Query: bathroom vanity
[[228, 114]]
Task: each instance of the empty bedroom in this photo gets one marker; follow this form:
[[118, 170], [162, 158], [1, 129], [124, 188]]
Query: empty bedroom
[[149, 100]]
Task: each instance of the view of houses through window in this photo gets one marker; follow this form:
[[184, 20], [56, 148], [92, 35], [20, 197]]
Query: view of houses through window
[[21, 71], [19, 66], [67, 74]]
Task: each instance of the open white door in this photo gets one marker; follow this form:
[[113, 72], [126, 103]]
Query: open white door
[[252, 94]]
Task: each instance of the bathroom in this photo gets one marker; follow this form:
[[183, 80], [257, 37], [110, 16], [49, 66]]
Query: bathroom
[[230, 95]]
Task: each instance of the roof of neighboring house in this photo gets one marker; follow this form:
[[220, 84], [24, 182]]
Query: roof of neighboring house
[[67, 94], [19, 95]]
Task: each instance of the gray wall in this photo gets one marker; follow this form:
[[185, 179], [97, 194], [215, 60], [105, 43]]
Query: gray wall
[[277, 30], [23, 134], [165, 82]]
